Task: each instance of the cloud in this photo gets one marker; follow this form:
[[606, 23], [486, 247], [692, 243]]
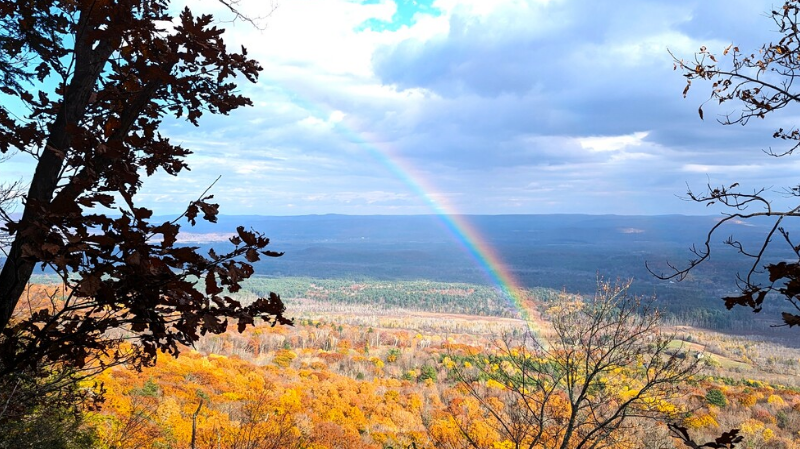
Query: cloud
[[519, 47], [504, 106], [612, 143], [567, 94]]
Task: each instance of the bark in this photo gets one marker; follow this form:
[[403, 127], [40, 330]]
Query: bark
[[90, 59], [194, 424]]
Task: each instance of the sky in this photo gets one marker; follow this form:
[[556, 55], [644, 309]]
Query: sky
[[474, 107]]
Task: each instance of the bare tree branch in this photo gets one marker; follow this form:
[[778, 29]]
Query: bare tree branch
[[258, 21], [760, 82], [605, 364]]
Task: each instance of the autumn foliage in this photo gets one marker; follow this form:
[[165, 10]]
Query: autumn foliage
[[323, 384]]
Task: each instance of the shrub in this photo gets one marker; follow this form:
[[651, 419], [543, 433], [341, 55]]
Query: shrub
[[748, 400], [700, 421], [284, 358], [427, 372], [782, 420], [394, 353], [716, 397], [776, 400]]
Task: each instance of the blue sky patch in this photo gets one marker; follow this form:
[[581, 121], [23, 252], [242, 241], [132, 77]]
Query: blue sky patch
[[405, 15]]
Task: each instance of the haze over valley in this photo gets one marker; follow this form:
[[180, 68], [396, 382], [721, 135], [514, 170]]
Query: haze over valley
[[560, 252]]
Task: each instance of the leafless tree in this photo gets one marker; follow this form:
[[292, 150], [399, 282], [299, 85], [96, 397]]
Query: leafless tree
[[760, 83], [262, 425], [606, 365]]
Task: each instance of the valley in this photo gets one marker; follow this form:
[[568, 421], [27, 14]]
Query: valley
[[559, 252], [391, 313], [355, 372]]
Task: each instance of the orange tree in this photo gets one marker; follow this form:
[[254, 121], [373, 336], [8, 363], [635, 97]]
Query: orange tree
[[85, 85]]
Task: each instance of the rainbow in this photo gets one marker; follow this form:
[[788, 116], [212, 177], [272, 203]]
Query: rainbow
[[463, 232]]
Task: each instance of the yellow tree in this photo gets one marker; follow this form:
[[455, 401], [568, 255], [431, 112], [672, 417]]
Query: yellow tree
[[264, 420]]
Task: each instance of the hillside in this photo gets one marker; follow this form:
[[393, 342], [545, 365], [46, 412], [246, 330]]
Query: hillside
[[366, 377]]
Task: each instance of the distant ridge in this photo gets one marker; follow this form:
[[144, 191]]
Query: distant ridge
[[563, 252]]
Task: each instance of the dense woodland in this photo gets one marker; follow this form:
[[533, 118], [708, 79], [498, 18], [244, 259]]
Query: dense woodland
[[704, 311], [355, 374]]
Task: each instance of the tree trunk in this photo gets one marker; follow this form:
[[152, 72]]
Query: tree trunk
[[194, 424], [90, 59]]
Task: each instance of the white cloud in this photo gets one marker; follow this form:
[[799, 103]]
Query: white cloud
[[720, 168], [506, 106], [612, 143]]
